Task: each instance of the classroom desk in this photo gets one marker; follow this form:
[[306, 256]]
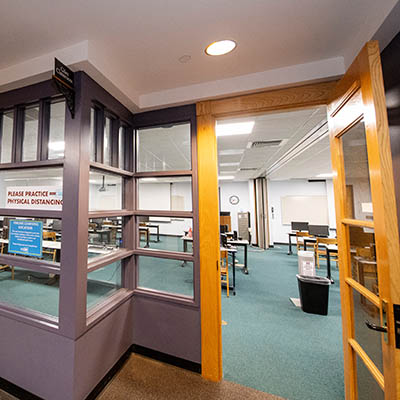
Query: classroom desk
[[231, 250], [244, 244], [291, 234], [157, 228], [330, 249]]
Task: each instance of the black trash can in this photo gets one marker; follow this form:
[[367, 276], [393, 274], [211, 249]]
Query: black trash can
[[314, 294]]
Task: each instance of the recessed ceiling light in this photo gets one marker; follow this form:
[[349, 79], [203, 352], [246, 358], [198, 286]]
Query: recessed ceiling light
[[225, 177], [229, 164], [327, 175], [220, 47], [148, 180], [236, 128], [230, 152]]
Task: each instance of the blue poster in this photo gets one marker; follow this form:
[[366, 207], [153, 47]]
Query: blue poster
[[25, 237]]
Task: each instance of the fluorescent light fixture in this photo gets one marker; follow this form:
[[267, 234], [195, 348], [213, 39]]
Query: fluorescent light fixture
[[230, 152], [148, 180], [326, 175], [57, 146], [220, 47], [235, 128], [229, 164], [225, 177]]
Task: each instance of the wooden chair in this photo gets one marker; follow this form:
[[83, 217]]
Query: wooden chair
[[3, 267], [225, 270], [367, 267], [50, 236], [321, 251], [300, 240]]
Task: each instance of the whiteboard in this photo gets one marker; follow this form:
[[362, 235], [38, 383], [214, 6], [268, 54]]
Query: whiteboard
[[311, 209]]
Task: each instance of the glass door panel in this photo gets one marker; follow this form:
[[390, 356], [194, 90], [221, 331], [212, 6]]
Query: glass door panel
[[368, 239]]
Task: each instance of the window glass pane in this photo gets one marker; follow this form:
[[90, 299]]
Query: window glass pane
[[34, 188], [364, 268], [161, 274], [92, 136], [164, 148], [358, 188], [170, 234], [30, 290], [368, 388], [105, 191], [31, 129], [369, 340], [57, 128], [165, 194], [28, 244], [105, 236], [121, 148], [107, 142], [6, 138], [103, 282]]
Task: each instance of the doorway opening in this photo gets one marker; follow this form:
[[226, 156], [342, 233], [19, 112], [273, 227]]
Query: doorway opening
[[275, 176]]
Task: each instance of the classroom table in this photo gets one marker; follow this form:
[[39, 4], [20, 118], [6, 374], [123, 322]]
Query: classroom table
[[231, 250], [157, 228], [330, 249], [291, 234], [244, 244]]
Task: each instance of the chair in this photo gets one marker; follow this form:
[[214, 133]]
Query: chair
[[300, 236], [50, 236], [2, 267], [366, 267], [321, 251], [225, 270]]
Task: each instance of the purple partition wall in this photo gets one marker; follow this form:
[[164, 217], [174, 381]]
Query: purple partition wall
[[66, 359]]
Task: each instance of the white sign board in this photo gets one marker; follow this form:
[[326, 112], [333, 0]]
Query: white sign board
[[34, 197]]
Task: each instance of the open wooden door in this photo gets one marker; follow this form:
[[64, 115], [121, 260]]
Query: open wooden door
[[369, 255]]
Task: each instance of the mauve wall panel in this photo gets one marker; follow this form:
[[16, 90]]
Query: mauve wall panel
[[36, 360], [101, 347], [166, 327]]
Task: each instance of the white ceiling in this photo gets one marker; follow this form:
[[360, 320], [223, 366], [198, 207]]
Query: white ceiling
[[135, 45], [290, 127]]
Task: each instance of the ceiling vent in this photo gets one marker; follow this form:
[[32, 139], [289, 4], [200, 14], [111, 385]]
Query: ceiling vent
[[265, 143]]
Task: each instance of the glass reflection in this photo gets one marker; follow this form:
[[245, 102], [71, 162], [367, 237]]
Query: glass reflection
[[358, 188], [31, 129], [6, 136]]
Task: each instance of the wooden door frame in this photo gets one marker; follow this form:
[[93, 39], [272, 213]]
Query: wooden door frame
[[298, 97]]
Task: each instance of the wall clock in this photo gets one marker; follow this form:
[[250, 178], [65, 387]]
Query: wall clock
[[234, 200]]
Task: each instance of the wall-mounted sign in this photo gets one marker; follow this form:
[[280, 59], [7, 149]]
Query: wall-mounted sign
[[34, 197], [64, 79], [25, 237]]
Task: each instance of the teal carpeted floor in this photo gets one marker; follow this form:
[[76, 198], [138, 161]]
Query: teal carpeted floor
[[271, 345], [268, 343]]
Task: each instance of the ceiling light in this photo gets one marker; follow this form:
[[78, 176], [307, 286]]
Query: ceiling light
[[236, 128], [225, 177], [220, 47], [326, 175], [148, 180], [229, 164], [230, 152]]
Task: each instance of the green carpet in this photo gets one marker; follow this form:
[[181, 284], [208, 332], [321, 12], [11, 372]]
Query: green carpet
[[271, 345]]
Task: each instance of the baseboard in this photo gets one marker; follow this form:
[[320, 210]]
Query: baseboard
[[166, 358], [104, 382], [17, 391]]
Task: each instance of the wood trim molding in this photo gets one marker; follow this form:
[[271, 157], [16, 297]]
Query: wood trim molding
[[274, 100]]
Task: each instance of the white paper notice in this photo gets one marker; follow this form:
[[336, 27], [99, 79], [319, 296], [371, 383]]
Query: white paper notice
[[34, 197]]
